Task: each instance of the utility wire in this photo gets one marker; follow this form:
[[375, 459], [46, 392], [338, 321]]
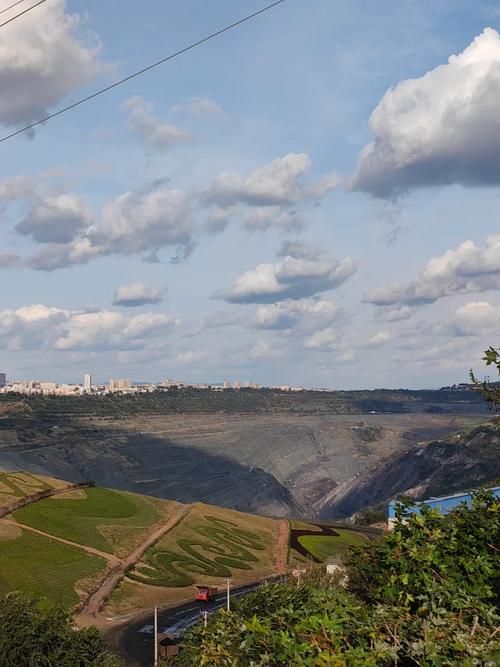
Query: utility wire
[[13, 18], [11, 6], [141, 71]]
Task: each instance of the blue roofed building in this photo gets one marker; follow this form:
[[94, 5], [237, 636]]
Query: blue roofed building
[[444, 504]]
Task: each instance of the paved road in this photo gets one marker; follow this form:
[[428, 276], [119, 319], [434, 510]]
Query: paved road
[[136, 641]]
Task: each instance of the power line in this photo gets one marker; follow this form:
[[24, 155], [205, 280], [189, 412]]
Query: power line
[[141, 71], [13, 18], [11, 6]]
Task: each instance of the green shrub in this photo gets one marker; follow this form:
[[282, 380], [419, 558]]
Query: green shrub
[[33, 637], [425, 595]]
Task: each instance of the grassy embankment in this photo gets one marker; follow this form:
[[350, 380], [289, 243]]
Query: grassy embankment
[[111, 521], [207, 546]]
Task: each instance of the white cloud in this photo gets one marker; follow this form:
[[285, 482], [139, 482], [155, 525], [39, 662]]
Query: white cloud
[[439, 129], [475, 318], [466, 269], [278, 183], [42, 327], [41, 61], [9, 259], [263, 350], [306, 313], [137, 294], [19, 187], [153, 132], [201, 107], [132, 223], [379, 339], [323, 338], [291, 278], [56, 219], [399, 313], [267, 217]]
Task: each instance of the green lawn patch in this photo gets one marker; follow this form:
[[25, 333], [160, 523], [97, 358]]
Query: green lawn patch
[[221, 548], [324, 547], [48, 570], [78, 519]]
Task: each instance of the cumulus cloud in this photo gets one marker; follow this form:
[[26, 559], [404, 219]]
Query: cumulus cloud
[[263, 350], [306, 313], [475, 318], [56, 219], [137, 294], [155, 134], [201, 107], [43, 327], [439, 129], [291, 278], [132, 223], [323, 338], [466, 269], [278, 183], [41, 61], [267, 217], [8, 259], [299, 250], [379, 339], [19, 187]]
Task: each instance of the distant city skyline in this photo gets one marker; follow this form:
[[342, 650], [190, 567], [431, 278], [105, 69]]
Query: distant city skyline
[[310, 199]]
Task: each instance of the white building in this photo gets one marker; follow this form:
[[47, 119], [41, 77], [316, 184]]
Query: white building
[[119, 384], [87, 383]]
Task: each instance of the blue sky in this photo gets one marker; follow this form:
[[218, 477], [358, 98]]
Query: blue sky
[[310, 199]]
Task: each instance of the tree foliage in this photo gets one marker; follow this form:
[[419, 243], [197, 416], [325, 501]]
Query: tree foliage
[[424, 595], [490, 391], [33, 637]]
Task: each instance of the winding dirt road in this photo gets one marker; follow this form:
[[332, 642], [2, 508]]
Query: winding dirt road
[[282, 547], [87, 615]]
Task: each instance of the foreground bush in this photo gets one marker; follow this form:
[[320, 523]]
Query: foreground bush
[[424, 595], [31, 637]]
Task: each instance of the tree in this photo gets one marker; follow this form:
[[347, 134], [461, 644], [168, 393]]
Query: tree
[[424, 595], [33, 637], [490, 391]]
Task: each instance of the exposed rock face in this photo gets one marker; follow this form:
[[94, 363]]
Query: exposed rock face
[[269, 452], [440, 467]]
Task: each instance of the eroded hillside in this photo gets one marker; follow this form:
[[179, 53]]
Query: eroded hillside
[[283, 455]]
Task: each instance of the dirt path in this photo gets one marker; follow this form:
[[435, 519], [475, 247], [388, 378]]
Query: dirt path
[[113, 560], [282, 548], [87, 615]]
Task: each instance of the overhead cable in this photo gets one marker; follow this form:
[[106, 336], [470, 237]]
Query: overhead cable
[[13, 18], [141, 71]]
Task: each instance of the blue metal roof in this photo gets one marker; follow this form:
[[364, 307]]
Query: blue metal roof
[[444, 504]]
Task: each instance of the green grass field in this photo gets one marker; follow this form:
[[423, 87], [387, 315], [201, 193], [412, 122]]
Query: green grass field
[[48, 570], [324, 547], [99, 518]]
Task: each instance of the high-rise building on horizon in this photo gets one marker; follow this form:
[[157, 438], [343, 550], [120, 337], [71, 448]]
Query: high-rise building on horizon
[[87, 382], [119, 384], [3, 379]]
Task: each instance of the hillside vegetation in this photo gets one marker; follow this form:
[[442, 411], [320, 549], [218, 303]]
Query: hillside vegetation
[[425, 595], [62, 548]]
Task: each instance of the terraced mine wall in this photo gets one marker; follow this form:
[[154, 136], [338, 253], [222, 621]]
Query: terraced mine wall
[[274, 453]]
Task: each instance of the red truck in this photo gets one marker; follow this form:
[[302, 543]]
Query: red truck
[[206, 593]]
